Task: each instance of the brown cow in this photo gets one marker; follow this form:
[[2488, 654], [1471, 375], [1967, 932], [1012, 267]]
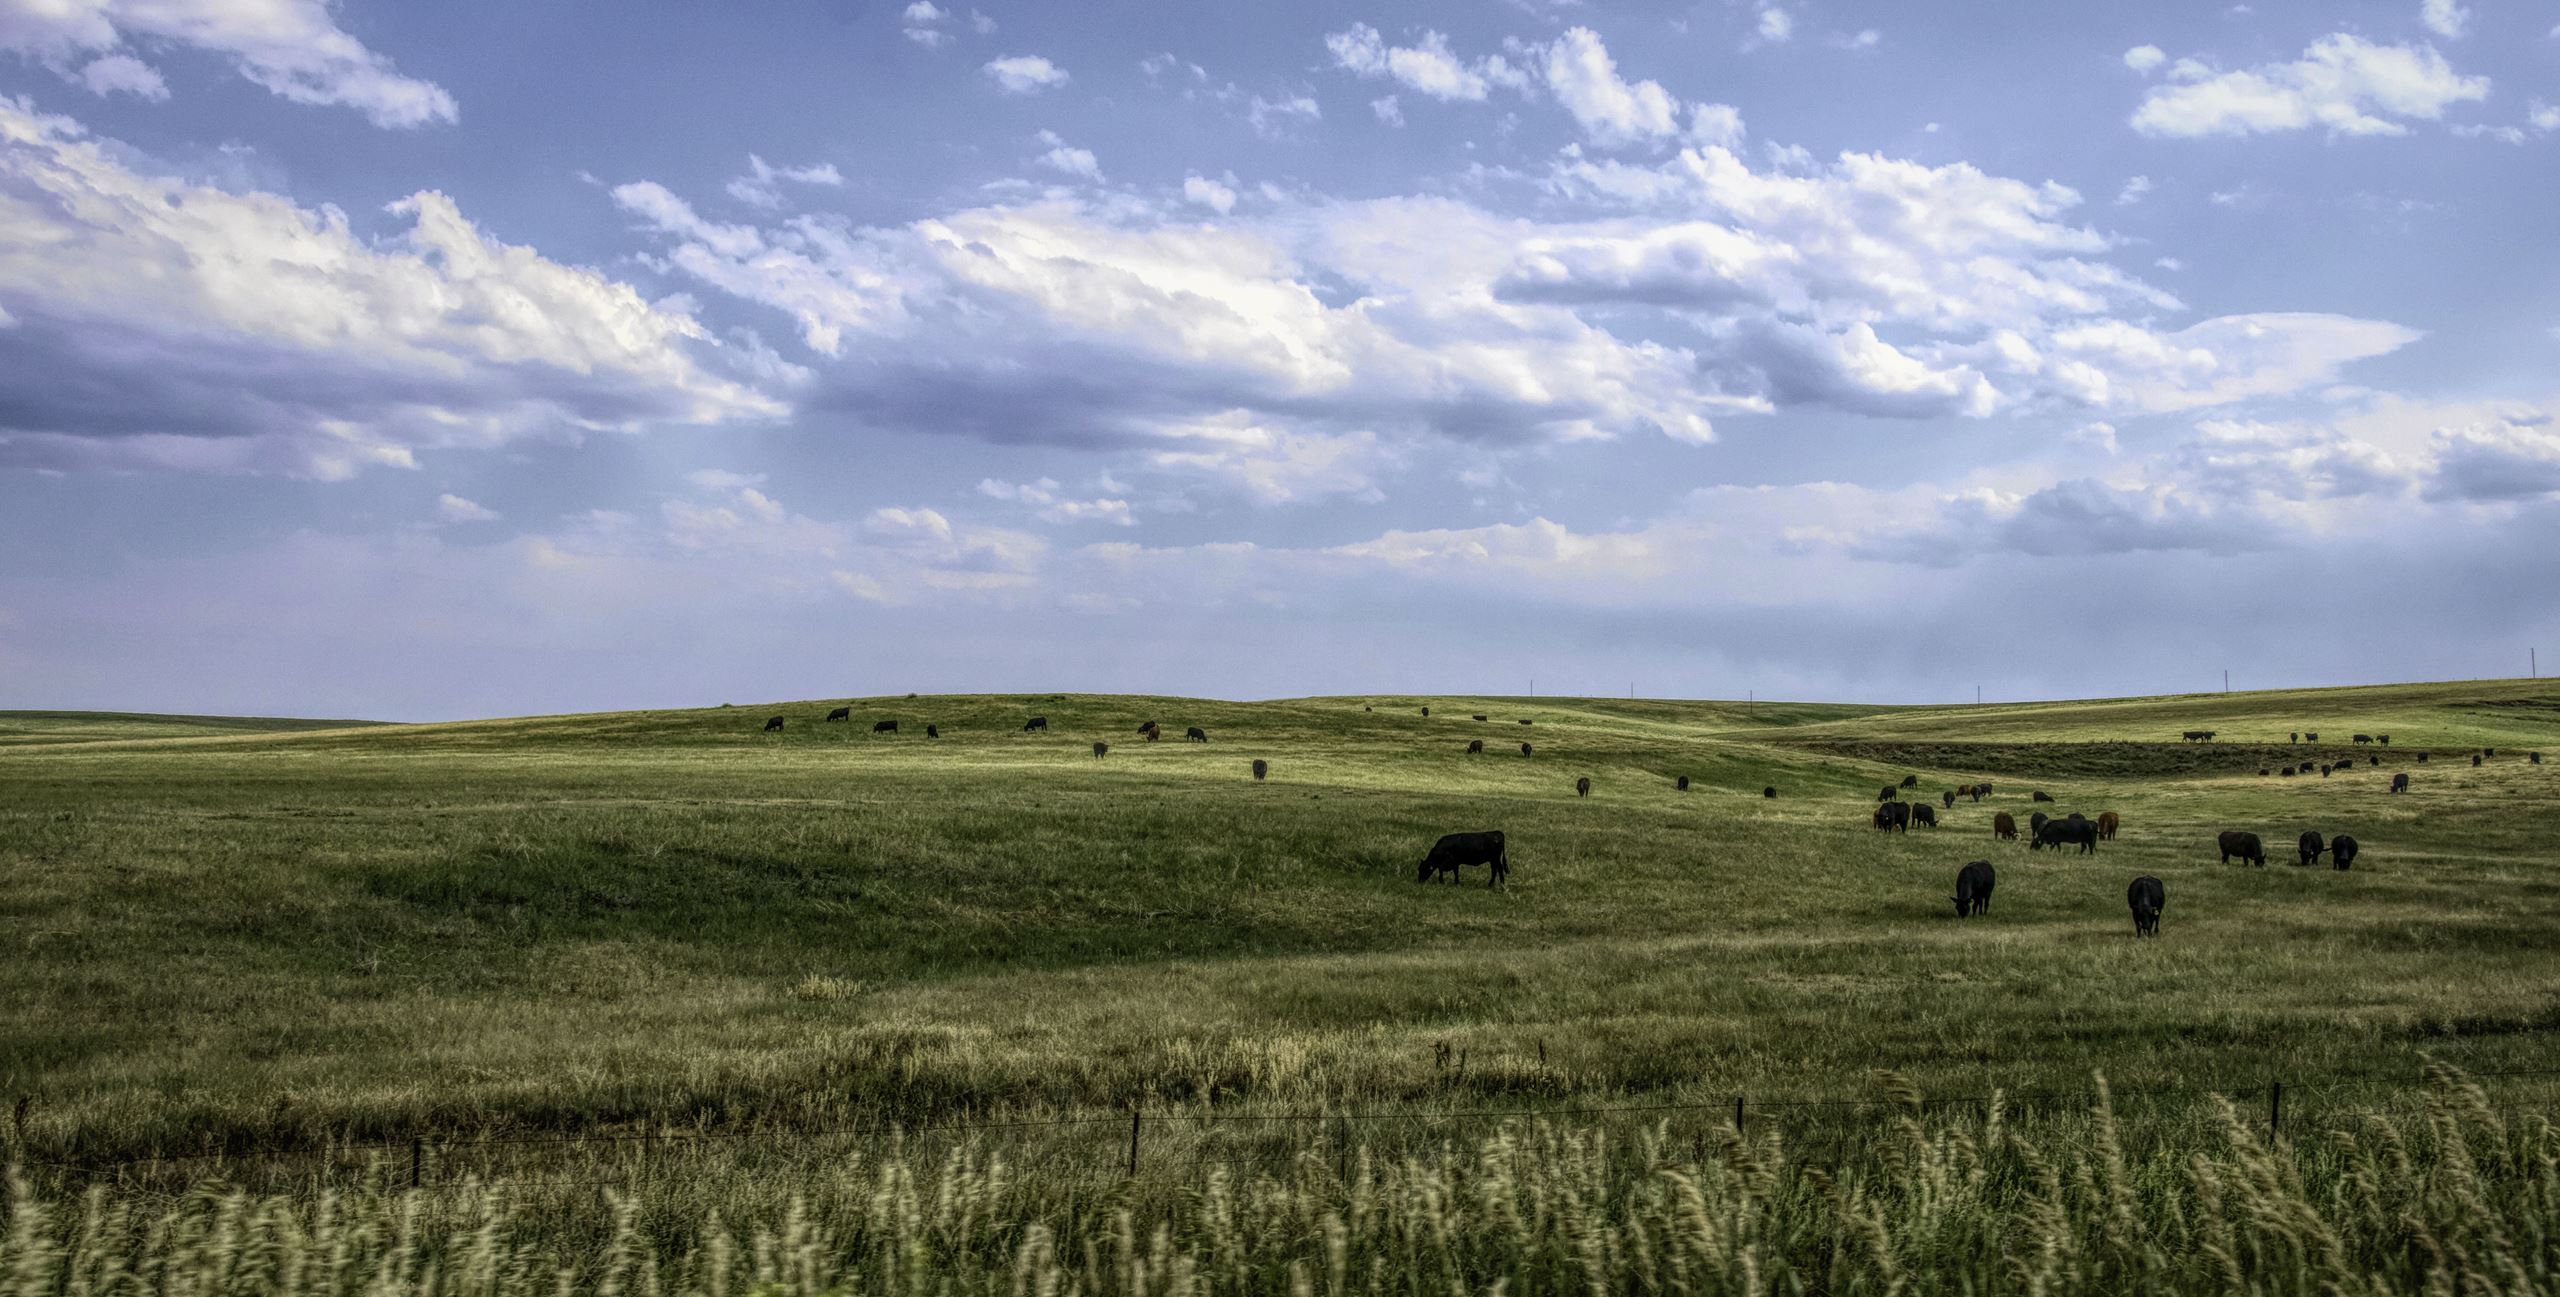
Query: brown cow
[[2004, 826], [2107, 825]]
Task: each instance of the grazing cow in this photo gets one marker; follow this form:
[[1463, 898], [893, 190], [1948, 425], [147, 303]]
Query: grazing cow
[[2364, 738], [1153, 735], [1426, 711], [1480, 716], [933, 731], [2373, 761], [2004, 827], [776, 723], [2383, 739], [2263, 772], [1456, 850], [2197, 736], [2311, 846], [2422, 758], [1770, 792], [2040, 796], [841, 714], [1144, 726], [1973, 889], [1526, 721], [2475, 759], [1035, 723], [1948, 799], [2324, 772], [1260, 768], [2036, 823], [2063, 833], [1893, 817], [1911, 781], [2488, 752], [1474, 746], [1924, 814], [1195, 734], [1983, 789], [2309, 737], [2107, 823], [1582, 786], [2287, 772], [1524, 750], [2342, 851], [1100, 747], [2400, 782], [884, 727], [1977, 791], [2147, 898], [1682, 784], [2243, 845], [2297, 738], [1887, 793]]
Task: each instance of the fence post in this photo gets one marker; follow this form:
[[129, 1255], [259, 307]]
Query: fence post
[[1737, 1114], [2275, 1110], [417, 1161], [1133, 1142]]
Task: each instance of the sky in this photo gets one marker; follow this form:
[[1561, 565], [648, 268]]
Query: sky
[[478, 358]]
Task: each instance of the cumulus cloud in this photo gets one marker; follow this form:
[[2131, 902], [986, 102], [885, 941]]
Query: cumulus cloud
[[1067, 158], [1209, 193], [762, 185], [1046, 501], [292, 48], [1776, 25], [2143, 58], [2446, 18], [1612, 110], [1025, 74], [1427, 67], [185, 326], [1274, 118], [2342, 83]]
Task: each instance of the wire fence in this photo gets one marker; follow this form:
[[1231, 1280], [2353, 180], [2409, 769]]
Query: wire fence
[[1158, 1141]]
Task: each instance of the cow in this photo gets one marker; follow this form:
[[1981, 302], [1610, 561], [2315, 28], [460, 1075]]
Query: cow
[[1976, 791], [2373, 761], [2263, 772], [1474, 746], [2475, 760], [2197, 736], [776, 724], [2324, 772], [2036, 823], [1456, 850], [2297, 738], [2287, 772], [2488, 752], [2364, 738], [2383, 739], [1145, 726], [1480, 716], [841, 714], [1260, 768], [1582, 786], [1911, 781], [2311, 847], [2422, 758], [2004, 827], [1923, 814], [1682, 783], [2063, 833], [2342, 851], [2147, 898], [1973, 889], [2309, 737], [1770, 793], [1947, 799], [1100, 747], [1887, 793], [933, 731], [2243, 845], [1154, 734], [2534, 757], [1524, 750], [1983, 789], [1526, 721], [1893, 817], [2040, 796], [2107, 823], [884, 727], [2400, 782], [1035, 723], [1195, 734], [1426, 711]]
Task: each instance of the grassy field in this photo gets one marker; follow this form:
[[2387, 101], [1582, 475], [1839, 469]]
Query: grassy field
[[289, 938]]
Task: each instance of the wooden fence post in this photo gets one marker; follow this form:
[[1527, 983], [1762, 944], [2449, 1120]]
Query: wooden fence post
[[1133, 1142], [417, 1161], [2275, 1110]]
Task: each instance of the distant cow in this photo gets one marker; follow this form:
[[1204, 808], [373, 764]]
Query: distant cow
[[1152, 733], [2422, 758], [2263, 772], [2004, 827], [841, 714], [2065, 833], [1524, 750], [2400, 782], [2309, 737], [1526, 721], [776, 723], [2311, 847], [1948, 799], [1887, 793], [1582, 786], [2373, 761], [1035, 723], [2324, 772], [1973, 889], [1982, 789], [2036, 823], [1682, 783], [884, 727], [2342, 851], [933, 731], [1100, 747], [1146, 726], [1770, 792], [1893, 817], [1195, 734], [1911, 781], [2297, 738], [2197, 736], [2107, 822], [1924, 814], [1426, 711], [2488, 752], [1260, 768], [2147, 898], [1456, 850], [2534, 757], [1480, 716], [1474, 746], [1976, 791], [2475, 759], [2243, 845], [2287, 772], [2040, 797], [2383, 739], [2364, 738]]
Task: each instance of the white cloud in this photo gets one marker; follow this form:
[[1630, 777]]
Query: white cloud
[[1067, 158], [1387, 110], [1775, 25], [292, 48], [453, 508], [1275, 465], [1718, 124], [1427, 67], [1273, 118], [1209, 193], [1025, 74], [1865, 39], [2543, 117], [1044, 500], [1612, 111], [2446, 18], [2135, 190], [2342, 83], [2143, 58], [186, 326], [762, 187]]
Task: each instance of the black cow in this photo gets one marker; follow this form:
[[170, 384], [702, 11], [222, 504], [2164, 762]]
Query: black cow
[[2147, 898], [2364, 738], [1770, 792], [776, 723], [1456, 850], [1887, 793], [2475, 759], [2309, 737], [1976, 791], [1911, 781], [1582, 786], [1526, 721], [2040, 797], [2263, 772], [1524, 749], [1982, 789], [884, 727], [1682, 783], [2036, 823], [1480, 716], [1947, 799], [1035, 723], [2197, 736], [2287, 772], [2312, 846], [2372, 761], [1144, 726], [841, 714], [2243, 845], [1924, 814], [2400, 782], [2324, 772], [2297, 738], [2383, 739], [2065, 833], [2422, 758], [1474, 746], [1973, 889], [2534, 757], [2342, 851], [1100, 747], [1260, 768], [1426, 711], [1195, 734], [933, 731], [1893, 817]]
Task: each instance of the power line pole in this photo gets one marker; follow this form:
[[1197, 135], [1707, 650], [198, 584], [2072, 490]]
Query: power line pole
[[1977, 695], [2226, 680], [2533, 662]]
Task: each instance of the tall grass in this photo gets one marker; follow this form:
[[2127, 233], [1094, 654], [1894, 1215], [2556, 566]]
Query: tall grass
[[2451, 1197]]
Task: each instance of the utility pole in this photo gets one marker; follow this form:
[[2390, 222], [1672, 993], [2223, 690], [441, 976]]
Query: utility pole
[[2226, 680], [2533, 662], [1977, 695]]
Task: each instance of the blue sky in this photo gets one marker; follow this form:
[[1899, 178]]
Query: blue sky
[[441, 360]]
